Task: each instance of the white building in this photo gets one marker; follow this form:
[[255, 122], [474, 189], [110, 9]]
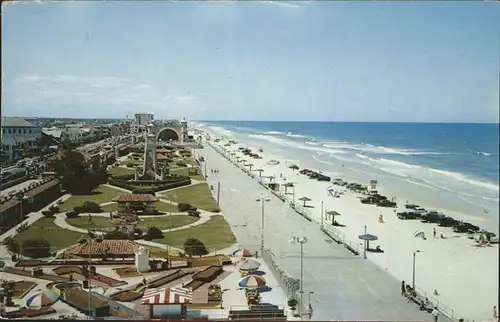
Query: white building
[[143, 118], [19, 135]]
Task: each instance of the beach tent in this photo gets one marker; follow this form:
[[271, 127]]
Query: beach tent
[[288, 185], [305, 199], [242, 252], [43, 299], [171, 295], [420, 233], [252, 281], [249, 265]]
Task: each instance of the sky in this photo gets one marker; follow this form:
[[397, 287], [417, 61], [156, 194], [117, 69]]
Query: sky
[[311, 61]]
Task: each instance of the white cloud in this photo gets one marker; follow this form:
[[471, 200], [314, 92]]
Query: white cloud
[[94, 91]]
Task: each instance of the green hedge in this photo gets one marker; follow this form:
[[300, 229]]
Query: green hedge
[[151, 187]]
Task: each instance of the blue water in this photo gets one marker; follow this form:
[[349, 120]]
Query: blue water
[[459, 159]]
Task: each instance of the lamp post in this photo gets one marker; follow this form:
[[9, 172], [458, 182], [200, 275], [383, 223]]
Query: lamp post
[[262, 201], [413, 275], [301, 241]]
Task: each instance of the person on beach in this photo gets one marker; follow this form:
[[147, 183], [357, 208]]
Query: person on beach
[[403, 288], [434, 232], [435, 314], [495, 313]]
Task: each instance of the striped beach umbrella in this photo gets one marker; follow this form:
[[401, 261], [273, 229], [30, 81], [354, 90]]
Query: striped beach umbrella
[[249, 265], [252, 281], [242, 252], [43, 299]]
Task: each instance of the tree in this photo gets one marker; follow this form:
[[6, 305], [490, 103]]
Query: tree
[[72, 167], [36, 248], [194, 246], [12, 245]]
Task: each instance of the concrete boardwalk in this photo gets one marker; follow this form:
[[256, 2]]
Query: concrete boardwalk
[[345, 286]]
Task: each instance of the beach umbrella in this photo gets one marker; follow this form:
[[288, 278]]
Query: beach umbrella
[[252, 281], [305, 199], [288, 185], [419, 233], [294, 167], [249, 265], [368, 238], [332, 213], [242, 252], [43, 299]]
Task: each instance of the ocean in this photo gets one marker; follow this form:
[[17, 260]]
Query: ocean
[[444, 165]]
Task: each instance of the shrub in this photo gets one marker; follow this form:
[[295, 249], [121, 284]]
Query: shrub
[[116, 234], [194, 246], [36, 248], [130, 165], [183, 206], [194, 213], [89, 206], [54, 209], [147, 238], [216, 210], [181, 164], [154, 232], [72, 214], [78, 209], [48, 214]]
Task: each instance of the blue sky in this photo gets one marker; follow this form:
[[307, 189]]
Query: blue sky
[[344, 61]]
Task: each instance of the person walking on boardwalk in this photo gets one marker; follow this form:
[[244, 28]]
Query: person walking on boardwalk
[[435, 314], [403, 288]]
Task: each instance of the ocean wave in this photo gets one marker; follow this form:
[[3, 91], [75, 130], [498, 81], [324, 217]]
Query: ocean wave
[[369, 148], [443, 173], [294, 144], [274, 133], [312, 143], [486, 154], [291, 135], [221, 130]]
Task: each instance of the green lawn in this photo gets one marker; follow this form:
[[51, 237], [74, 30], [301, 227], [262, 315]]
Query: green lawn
[[57, 237], [215, 234], [167, 222], [101, 195], [185, 172], [120, 171], [198, 195], [161, 206]]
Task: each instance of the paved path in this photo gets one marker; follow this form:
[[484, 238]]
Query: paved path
[[31, 218], [345, 286], [60, 221]]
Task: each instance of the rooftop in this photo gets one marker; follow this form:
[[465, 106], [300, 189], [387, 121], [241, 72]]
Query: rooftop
[[8, 121]]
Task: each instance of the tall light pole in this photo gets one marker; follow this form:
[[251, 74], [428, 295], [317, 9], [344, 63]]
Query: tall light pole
[[262, 201], [301, 241], [413, 275]]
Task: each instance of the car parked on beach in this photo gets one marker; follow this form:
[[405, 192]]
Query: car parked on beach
[[408, 215], [431, 217], [386, 203], [464, 227], [447, 221]]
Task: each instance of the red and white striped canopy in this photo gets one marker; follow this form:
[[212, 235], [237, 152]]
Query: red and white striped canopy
[[167, 296]]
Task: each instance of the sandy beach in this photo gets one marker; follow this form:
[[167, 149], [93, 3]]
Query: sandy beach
[[452, 266]]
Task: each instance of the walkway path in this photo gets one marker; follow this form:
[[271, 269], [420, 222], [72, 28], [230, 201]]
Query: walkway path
[[31, 218], [60, 221]]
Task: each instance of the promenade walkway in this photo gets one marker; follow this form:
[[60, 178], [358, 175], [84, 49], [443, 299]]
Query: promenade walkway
[[345, 286]]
